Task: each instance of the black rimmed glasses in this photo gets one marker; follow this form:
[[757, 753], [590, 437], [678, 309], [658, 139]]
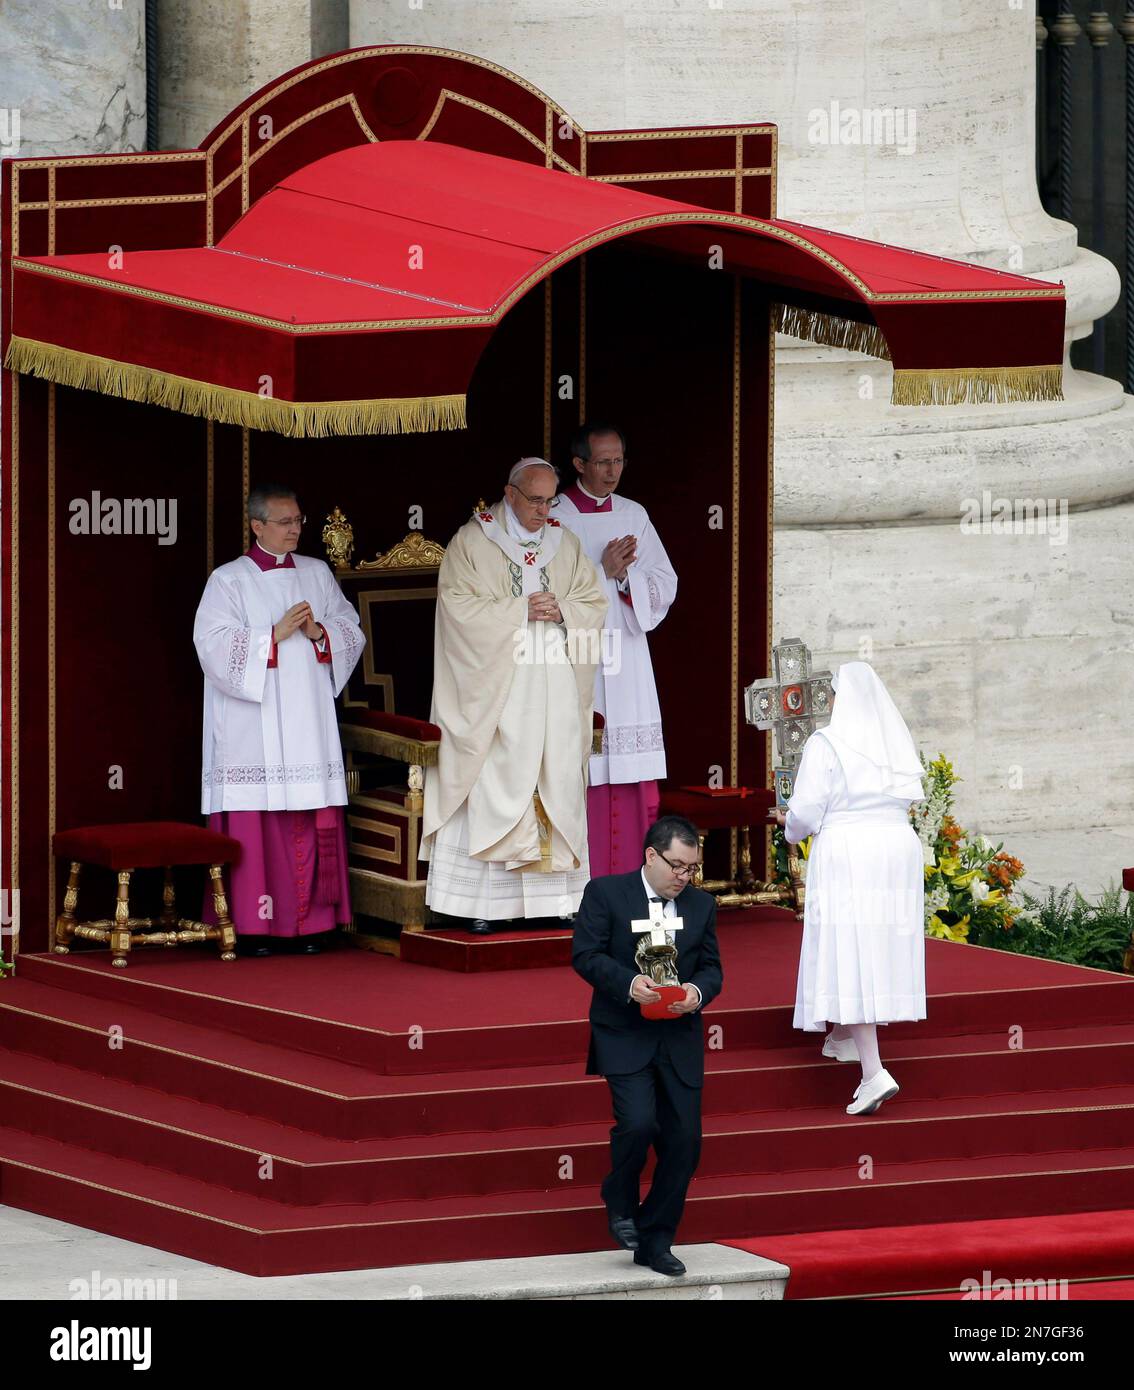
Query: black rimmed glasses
[[680, 870], [548, 502]]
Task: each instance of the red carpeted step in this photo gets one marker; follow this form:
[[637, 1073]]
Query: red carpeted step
[[333, 1098], [220, 1065], [912, 1259], [188, 1137], [472, 954], [275, 1082], [258, 1236], [469, 1022]]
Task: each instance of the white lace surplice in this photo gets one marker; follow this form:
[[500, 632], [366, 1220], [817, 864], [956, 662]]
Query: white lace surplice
[[625, 691], [271, 739]]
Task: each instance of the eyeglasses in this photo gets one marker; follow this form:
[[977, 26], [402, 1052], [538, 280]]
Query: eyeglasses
[[285, 521], [548, 502], [614, 463], [681, 870]]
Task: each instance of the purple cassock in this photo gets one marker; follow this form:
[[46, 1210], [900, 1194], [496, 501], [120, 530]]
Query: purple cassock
[[291, 878], [618, 813]]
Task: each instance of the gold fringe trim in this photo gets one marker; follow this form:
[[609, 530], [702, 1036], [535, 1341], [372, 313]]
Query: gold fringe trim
[[830, 331], [361, 738], [299, 419], [977, 385]]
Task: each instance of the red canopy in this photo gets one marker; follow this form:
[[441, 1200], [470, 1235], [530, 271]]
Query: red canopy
[[357, 294]]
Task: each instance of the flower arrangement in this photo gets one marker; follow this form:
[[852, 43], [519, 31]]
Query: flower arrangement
[[968, 883], [969, 891]]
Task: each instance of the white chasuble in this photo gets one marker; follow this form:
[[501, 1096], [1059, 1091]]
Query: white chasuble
[[504, 824], [625, 692], [271, 739]]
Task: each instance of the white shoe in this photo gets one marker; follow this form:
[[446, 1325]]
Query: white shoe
[[842, 1050], [869, 1095]]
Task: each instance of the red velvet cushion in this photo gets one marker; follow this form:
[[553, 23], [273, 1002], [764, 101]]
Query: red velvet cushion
[[403, 725], [145, 845], [1128, 880], [717, 812]]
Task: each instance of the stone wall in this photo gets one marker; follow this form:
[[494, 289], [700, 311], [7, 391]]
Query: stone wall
[[1011, 653], [215, 53], [76, 74]]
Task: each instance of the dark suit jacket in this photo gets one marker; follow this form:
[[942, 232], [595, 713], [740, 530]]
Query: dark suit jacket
[[603, 954]]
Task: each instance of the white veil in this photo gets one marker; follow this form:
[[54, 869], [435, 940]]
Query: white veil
[[870, 736]]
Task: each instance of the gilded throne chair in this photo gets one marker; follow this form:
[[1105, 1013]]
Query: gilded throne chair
[[387, 743]]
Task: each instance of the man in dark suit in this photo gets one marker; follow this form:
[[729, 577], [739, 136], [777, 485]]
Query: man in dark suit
[[655, 1068]]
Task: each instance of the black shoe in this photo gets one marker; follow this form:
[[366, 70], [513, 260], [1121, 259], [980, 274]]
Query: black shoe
[[663, 1262], [624, 1231], [481, 927], [255, 947], [310, 947]]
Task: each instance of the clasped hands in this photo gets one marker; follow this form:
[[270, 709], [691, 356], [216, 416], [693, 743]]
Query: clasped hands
[[544, 608], [643, 992], [619, 553], [298, 618]]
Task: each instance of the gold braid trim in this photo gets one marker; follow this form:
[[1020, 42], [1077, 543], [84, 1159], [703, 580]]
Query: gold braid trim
[[361, 738], [940, 386], [977, 385], [299, 419], [830, 331]]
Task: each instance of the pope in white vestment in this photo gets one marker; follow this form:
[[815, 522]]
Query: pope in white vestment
[[272, 765], [519, 613], [862, 958], [640, 583]]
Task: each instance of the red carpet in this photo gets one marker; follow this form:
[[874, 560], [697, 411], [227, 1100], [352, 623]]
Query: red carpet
[[511, 949], [1093, 1290], [933, 1261], [415, 1114]]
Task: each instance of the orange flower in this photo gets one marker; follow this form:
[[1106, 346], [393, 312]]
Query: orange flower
[[951, 831]]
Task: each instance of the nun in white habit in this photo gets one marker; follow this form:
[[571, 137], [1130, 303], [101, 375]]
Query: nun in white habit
[[862, 961]]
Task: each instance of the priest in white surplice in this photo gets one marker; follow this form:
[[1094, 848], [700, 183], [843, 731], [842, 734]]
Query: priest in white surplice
[[862, 959], [622, 801], [277, 642], [519, 616]]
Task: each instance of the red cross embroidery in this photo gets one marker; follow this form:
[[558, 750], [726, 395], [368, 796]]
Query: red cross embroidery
[[485, 516], [552, 522], [529, 558]]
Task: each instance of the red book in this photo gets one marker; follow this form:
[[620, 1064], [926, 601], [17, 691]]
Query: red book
[[670, 994]]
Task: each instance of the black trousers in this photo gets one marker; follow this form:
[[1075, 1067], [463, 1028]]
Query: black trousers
[[653, 1106]]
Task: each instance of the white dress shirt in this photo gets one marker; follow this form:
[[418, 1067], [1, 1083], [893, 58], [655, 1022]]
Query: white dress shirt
[[669, 909]]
